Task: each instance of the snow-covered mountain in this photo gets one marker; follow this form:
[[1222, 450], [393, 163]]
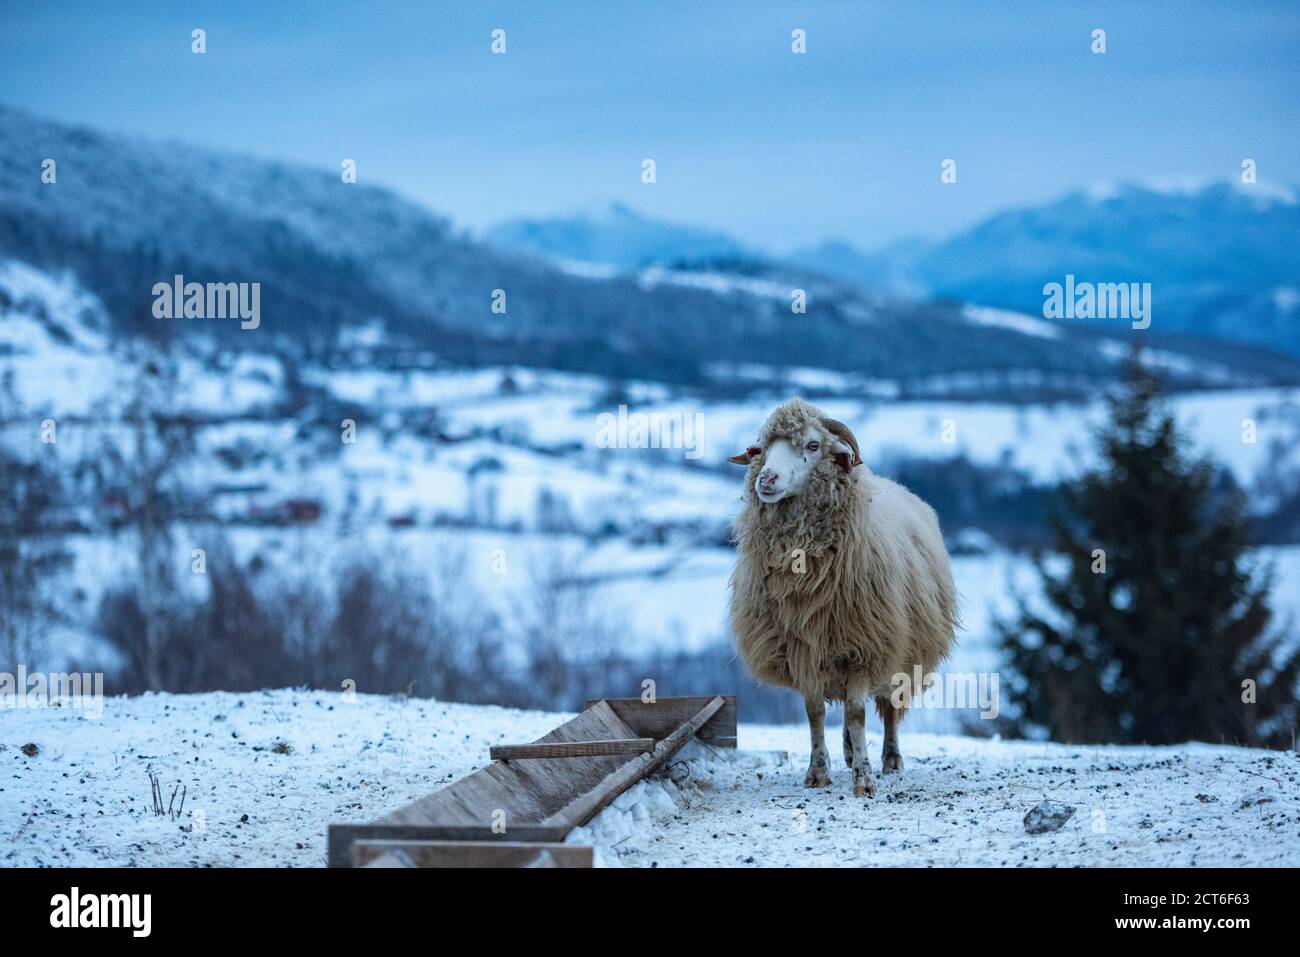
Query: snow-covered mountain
[[334, 259], [1223, 260], [615, 235]]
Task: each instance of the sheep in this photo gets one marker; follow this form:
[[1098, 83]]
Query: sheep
[[841, 583]]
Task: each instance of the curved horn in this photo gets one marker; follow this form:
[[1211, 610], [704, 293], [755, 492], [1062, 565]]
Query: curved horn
[[842, 431]]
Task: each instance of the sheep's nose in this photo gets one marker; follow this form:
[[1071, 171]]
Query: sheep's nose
[[767, 477]]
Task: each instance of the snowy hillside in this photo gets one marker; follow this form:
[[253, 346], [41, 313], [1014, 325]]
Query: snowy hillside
[[335, 257], [499, 472], [263, 774]]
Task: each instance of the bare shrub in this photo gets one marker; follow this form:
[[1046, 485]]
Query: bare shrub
[[393, 626]]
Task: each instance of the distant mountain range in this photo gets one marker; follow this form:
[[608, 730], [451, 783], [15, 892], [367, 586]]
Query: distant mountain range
[[1223, 260], [614, 235], [334, 258]]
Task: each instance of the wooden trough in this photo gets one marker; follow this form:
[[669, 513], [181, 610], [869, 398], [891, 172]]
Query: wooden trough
[[516, 811]]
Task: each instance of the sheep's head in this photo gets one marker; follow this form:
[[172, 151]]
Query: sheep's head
[[796, 442]]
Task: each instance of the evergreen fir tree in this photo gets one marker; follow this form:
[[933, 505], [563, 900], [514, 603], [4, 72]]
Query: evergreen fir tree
[[1159, 629]]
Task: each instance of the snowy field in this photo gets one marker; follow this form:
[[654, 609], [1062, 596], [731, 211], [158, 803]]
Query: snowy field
[[264, 773]]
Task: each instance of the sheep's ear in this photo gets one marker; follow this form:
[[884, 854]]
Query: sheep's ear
[[846, 456], [745, 457]]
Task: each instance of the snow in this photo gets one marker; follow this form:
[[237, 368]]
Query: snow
[[84, 798], [1017, 321], [584, 270], [58, 300], [718, 283], [958, 802], [54, 342]]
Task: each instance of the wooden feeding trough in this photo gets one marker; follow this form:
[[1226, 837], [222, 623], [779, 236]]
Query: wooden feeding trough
[[516, 811]]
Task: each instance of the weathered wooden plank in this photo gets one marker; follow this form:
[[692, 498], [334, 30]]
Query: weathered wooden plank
[[571, 749], [586, 805], [659, 718], [341, 837], [469, 854]]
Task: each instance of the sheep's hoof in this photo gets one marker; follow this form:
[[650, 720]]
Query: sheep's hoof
[[891, 762], [864, 787], [817, 777]]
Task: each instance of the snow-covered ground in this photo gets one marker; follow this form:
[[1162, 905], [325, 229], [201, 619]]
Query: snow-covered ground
[[959, 802], [264, 773]]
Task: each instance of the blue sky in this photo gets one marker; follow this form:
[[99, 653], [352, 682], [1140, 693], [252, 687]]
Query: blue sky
[[778, 149]]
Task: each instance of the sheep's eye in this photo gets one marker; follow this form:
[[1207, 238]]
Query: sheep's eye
[[813, 446]]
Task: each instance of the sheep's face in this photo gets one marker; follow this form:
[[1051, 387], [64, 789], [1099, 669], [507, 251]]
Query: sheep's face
[[787, 461], [797, 441]]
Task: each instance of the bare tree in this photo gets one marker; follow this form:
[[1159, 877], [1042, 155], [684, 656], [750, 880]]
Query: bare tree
[[142, 484], [30, 546]]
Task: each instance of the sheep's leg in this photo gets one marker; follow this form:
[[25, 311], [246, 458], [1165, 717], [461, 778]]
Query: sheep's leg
[[855, 720], [819, 775], [848, 747], [891, 758]]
